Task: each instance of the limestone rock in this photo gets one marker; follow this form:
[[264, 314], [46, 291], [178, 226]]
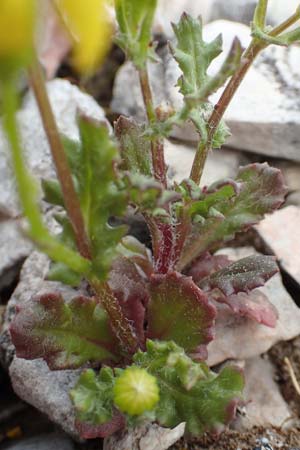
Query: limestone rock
[[66, 101], [281, 235], [50, 441], [265, 405], [237, 10], [220, 163], [242, 338], [264, 116], [150, 437], [170, 11]]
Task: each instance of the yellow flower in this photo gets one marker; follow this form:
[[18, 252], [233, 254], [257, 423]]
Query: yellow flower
[[17, 28], [90, 27]]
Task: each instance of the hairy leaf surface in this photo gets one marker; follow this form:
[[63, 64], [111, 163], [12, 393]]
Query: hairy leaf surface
[[65, 334], [259, 189], [241, 276], [189, 391], [135, 148], [179, 311]]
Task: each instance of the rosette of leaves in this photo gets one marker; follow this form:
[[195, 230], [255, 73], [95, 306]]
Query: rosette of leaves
[[160, 300]]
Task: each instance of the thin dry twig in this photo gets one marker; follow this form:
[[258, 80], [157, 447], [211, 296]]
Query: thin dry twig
[[292, 375]]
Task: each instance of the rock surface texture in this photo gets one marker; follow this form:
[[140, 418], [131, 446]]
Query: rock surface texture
[[150, 437], [51, 441], [241, 338], [281, 235], [264, 117], [265, 405]]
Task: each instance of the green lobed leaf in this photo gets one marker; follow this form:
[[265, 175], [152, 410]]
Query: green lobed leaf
[[189, 391], [135, 19], [259, 189], [66, 334], [135, 148], [193, 54], [92, 163], [179, 311], [194, 57], [93, 396]]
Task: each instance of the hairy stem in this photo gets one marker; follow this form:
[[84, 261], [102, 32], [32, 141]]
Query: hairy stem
[[120, 325], [119, 322], [220, 108], [157, 146], [60, 160]]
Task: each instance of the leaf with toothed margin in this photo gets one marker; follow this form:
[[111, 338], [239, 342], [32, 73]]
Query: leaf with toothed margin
[[260, 189], [135, 148], [189, 391], [193, 54], [254, 305], [206, 265], [241, 276], [179, 311], [93, 400], [92, 162], [66, 334], [128, 284]]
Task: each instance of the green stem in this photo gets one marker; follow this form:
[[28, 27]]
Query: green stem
[[220, 108], [60, 160], [157, 145], [286, 24], [28, 190]]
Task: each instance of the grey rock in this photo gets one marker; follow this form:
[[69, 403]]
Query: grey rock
[[219, 164], [51, 441], [237, 10], [150, 437], [264, 116], [242, 338], [170, 11], [280, 233], [33, 382], [46, 390], [264, 404], [130, 103], [66, 101]]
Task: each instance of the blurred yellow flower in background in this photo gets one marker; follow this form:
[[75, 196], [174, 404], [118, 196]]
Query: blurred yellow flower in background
[[17, 28], [90, 28]]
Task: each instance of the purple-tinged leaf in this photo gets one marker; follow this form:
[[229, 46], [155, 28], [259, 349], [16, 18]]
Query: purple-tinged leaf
[[89, 431], [128, 285], [241, 276], [138, 253], [261, 190], [255, 306], [65, 334], [206, 265], [92, 397], [179, 311]]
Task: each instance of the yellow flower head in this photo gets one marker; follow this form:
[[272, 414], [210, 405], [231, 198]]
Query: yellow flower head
[[17, 28], [90, 27]]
